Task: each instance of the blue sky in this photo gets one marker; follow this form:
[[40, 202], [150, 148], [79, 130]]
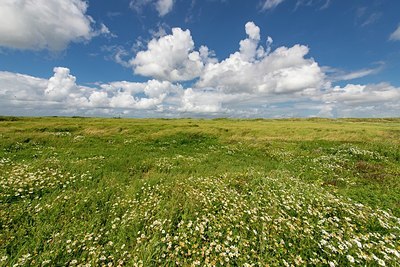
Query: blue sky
[[210, 58]]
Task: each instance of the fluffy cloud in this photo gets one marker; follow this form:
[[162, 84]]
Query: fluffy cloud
[[395, 36], [60, 85], [45, 24], [61, 92], [356, 94], [99, 99], [215, 102], [15, 87], [202, 101], [153, 93], [248, 47], [171, 57], [163, 7], [356, 100], [254, 70]]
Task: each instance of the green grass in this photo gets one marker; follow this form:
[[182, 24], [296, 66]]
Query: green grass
[[158, 192]]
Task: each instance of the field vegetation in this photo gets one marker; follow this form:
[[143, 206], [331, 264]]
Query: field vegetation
[[191, 192]]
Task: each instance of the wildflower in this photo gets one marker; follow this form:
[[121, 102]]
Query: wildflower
[[358, 243], [381, 262], [44, 263], [298, 260], [350, 258]]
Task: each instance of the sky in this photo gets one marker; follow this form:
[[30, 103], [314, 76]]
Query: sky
[[200, 58]]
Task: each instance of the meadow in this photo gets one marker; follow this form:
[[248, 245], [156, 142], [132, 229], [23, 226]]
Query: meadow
[[192, 192]]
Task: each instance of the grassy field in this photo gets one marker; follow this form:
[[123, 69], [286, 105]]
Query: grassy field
[[157, 192]]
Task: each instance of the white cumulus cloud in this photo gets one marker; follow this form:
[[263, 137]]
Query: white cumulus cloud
[[61, 92], [61, 84], [249, 46], [171, 57], [356, 94], [99, 99], [45, 24], [201, 101], [15, 87], [253, 69], [147, 95]]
